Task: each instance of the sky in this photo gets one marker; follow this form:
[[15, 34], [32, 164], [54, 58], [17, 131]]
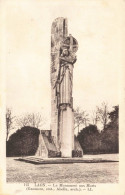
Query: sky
[[97, 27]]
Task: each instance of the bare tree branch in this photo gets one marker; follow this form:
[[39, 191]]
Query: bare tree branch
[[95, 116], [103, 114], [31, 119], [80, 117], [9, 122]]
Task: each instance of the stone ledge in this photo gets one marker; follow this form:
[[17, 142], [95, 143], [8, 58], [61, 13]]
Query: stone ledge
[[38, 160]]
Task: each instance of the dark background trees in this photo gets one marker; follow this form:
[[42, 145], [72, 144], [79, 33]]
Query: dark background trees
[[93, 141], [23, 142], [89, 139], [110, 135], [107, 141]]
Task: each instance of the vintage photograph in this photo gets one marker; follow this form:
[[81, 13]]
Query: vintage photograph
[[62, 91]]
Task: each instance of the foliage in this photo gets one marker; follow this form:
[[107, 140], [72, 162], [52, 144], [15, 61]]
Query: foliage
[[114, 116], [110, 135], [92, 141], [89, 138], [23, 142]]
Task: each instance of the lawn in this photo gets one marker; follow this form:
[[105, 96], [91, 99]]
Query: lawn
[[21, 172]]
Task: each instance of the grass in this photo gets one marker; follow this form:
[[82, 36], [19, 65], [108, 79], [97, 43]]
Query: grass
[[21, 172]]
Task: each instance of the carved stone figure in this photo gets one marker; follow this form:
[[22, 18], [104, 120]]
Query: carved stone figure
[[63, 57]]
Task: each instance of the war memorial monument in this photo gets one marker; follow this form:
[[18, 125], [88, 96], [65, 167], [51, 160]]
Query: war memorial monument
[[63, 57], [61, 141]]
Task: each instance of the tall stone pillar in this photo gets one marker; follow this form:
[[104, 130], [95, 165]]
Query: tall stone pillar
[[63, 48], [58, 33]]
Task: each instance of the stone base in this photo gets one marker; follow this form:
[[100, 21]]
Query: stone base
[[38, 160], [77, 153], [53, 154], [48, 149]]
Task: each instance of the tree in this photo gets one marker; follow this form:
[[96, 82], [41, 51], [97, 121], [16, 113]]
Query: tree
[[95, 116], [106, 141], [114, 116], [9, 122], [24, 141], [110, 135], [103, 116], [22, 121], [80, 117], [31, 119], [89, 139]]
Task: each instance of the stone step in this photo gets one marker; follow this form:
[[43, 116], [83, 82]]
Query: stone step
[[35, 160]]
